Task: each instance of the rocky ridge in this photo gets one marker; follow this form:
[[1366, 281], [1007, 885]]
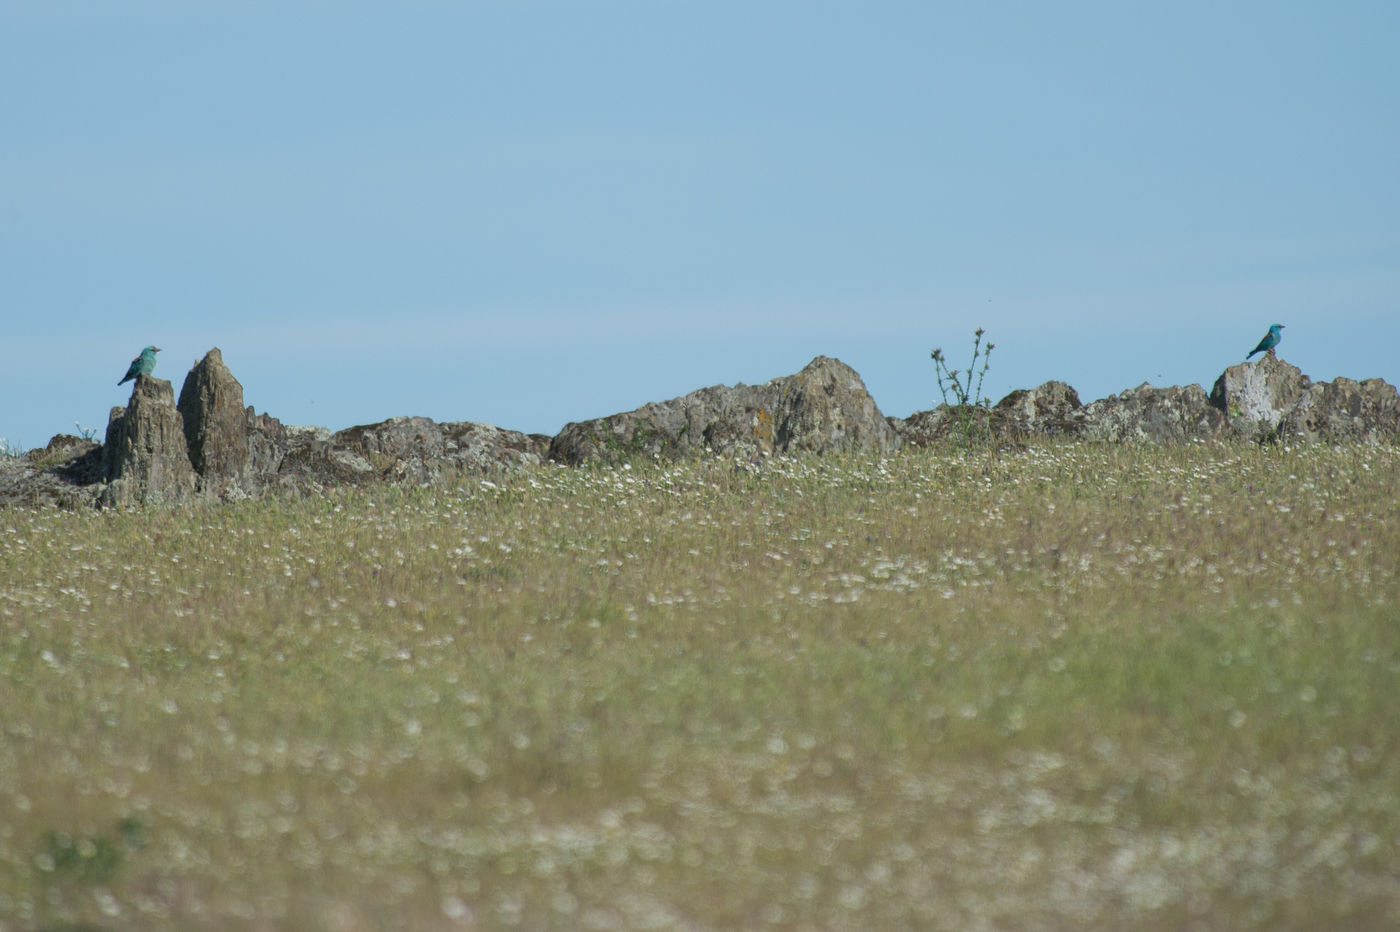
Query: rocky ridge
[[824, 408], [210, 446]]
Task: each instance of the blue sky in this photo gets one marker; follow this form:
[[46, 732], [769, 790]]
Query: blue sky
[[528, 213]]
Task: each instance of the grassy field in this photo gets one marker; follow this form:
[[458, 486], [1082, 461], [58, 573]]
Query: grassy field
[[1064, 687]]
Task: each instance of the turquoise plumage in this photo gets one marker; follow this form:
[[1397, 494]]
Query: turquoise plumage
[[142, 365], [1269, 342]]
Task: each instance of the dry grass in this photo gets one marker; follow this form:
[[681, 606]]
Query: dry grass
[[1066, 687]]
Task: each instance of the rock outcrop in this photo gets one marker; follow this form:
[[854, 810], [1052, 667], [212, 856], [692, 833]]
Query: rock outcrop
[[67, 473], [1344, 410], [145, 457], [822, 409], [269, 441], [1051, 409], [216, 427], [1255, 397], [1265, 400], [413, 449], [1154, 415], [213, 446]]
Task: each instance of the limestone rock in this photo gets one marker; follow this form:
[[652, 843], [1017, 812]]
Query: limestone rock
[[268, 443], [485, 448], [412, 449], [1051, 409], [1156, 415], [76, 459], [1345, 410], [943, 424], [824, 408], [67, 473], [145, 458], [216, 428], [1254, 397], [1048, 410]]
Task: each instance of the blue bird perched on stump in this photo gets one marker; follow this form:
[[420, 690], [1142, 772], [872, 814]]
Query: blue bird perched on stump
[[1270, 340], [142, 365]]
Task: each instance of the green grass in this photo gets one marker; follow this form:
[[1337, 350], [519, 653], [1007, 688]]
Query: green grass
[[1072, 686]]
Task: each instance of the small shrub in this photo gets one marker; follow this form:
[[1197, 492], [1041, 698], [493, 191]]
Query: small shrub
[[965, 398]]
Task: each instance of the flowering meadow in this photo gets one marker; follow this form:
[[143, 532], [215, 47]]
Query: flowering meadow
[[1063, 686]]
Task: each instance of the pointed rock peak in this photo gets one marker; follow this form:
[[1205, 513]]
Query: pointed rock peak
[[216, 427], [830, 367], [827, 362], [145, 457]]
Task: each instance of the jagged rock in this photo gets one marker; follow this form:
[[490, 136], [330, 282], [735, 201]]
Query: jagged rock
[[485, 448], [1156, 415], [412, 449], [1049, 409], [216, 428], [155, 452], [945, 423], [1254, 397], [65, 474], [145, 458], [77, 459], [298, 434], [1345, 410], [824, 408], [268, 443]]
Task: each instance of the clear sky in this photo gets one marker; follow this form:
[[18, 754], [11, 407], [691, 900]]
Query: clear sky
[[527, 213]]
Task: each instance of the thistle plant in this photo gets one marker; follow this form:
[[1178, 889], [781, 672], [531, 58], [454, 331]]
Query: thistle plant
[[962, 394]]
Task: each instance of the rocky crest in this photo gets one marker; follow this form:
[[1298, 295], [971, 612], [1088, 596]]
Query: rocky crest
[[211, 446], [1262, 401], [1272, 399], [1154, 415], [1255, 397], [216, 428], [822, 409], [1344, 410], [413, 449], [145, 457]]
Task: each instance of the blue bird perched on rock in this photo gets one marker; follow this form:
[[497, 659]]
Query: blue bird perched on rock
[[1270, 340], [142, 365]]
